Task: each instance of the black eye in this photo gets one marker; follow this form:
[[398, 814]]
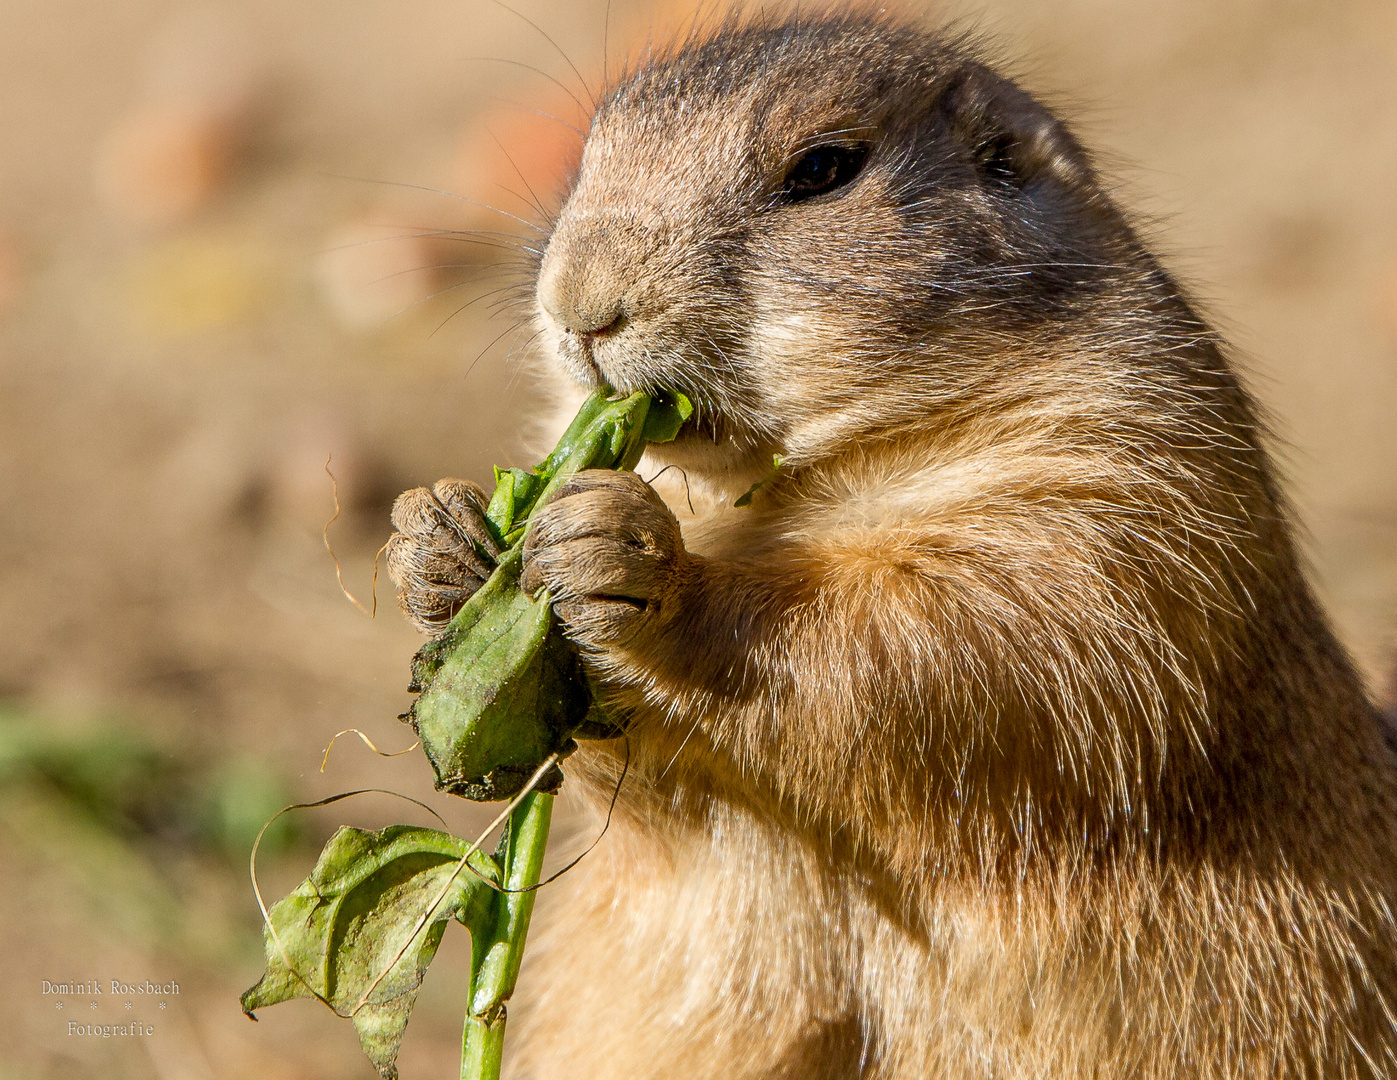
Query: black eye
[[821, 169]]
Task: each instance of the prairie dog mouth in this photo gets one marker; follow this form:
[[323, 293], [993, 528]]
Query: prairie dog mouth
[[578, 357], [613, 356]]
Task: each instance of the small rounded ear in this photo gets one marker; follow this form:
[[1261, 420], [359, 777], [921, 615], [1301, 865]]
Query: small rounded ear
[[1011, 138]]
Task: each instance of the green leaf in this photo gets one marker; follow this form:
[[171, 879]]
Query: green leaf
[[502, 689], [501, 508], [341, 929], [666, 417], [514, 493], [745, 499]]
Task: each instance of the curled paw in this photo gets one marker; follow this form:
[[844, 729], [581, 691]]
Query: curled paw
[[442, 551], [609, 552]]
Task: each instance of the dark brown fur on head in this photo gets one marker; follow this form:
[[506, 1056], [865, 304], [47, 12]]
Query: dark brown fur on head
[[974, 219], [1001, 735]]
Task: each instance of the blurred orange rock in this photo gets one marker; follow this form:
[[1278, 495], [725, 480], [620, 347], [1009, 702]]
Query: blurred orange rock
[[521, 155], [512, 164], [164, 162], [170, 155], [658, 24], [370, 272], [520, 152]]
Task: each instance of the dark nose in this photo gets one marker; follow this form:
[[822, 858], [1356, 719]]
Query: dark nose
[[595, 325]]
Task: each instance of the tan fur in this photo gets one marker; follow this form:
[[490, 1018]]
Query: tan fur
[[1001, 736]]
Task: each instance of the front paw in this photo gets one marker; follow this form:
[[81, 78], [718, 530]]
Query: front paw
[[442, 552], [610, 553]]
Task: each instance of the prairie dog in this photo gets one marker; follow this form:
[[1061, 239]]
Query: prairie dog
[[1001, 735]]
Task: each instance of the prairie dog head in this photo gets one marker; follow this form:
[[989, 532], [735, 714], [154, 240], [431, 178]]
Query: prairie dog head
[[818, 229]]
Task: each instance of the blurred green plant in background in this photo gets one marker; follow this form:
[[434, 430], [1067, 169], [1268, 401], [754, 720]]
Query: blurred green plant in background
[[138, 828]]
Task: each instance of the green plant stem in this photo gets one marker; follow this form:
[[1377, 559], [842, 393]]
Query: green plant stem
[[495, 956]]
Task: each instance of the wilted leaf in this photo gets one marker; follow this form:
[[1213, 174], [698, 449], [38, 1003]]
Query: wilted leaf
[[370, 894], [501, 696]]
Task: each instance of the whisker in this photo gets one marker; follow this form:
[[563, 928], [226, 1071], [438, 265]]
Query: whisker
[[537, 71], [442, 234], [473, 300], [536, 112], [435, 191], [493, 342], [605, 36], [527, 342], [481, 268], [537, 203], [556, 47], [441, 292], [688, 498]]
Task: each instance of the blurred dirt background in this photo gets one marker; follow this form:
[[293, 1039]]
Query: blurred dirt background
[[220, 266]]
